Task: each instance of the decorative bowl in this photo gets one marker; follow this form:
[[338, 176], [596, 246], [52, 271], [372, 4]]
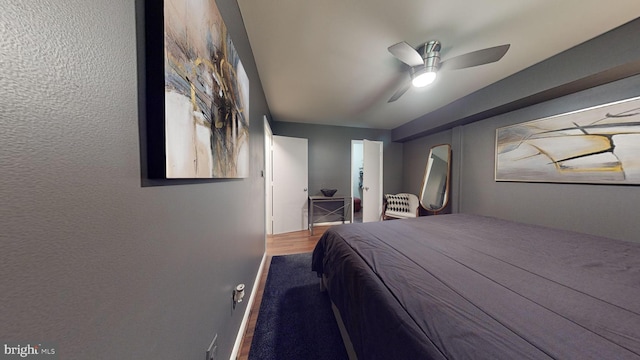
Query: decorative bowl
[[328, 192]]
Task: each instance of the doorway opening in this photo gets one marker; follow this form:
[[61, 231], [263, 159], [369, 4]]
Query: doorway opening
[[268, 177], [357, 164], [366, 180]]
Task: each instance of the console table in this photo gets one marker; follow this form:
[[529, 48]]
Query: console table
[[319, 202]]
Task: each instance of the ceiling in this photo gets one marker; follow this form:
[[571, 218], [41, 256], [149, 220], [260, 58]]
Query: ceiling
[[326, 62]]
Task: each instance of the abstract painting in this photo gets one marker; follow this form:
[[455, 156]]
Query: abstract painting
[[206, 94], [598, 145]]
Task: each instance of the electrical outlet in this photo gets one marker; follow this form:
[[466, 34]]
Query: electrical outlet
[[212, 351]]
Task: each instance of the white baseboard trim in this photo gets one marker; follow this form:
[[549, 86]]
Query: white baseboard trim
[[247, 311]]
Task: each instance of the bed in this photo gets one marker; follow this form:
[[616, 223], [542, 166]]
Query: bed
[[462, 286]]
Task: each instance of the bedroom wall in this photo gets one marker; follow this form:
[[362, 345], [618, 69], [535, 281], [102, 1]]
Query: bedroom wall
[[91, 260], [583, 66], [330, 154], [415, 158], [606, 210]]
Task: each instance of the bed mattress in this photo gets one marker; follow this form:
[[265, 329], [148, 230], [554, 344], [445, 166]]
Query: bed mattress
[[470, 287]]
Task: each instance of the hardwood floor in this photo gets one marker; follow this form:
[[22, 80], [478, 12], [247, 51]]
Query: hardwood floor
[[281, 244]]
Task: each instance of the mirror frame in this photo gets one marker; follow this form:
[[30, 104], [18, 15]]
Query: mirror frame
[[427, 169]]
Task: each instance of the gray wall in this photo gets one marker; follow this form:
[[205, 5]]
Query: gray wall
[[415, 156], [330, 154], [581, 67], [90, 259], [607, 210]]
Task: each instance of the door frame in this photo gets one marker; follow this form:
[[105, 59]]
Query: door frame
[[351, 171], [268, 177], [381, 159], [290, 170]]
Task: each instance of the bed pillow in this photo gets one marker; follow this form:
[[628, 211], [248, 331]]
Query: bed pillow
[[398, 203]]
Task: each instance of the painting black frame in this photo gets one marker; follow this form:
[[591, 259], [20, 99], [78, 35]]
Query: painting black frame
[[151, 63]]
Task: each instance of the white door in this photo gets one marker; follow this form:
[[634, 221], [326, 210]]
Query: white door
[[290, 182], [268, 176], [372, 181]]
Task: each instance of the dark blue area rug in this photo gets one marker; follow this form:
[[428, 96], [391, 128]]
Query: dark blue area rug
[[295, 319]]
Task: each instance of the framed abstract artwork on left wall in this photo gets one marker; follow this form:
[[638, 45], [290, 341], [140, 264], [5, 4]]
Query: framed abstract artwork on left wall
[[196, 93]]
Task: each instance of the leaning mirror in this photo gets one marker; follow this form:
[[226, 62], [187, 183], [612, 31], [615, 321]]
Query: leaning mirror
[[434, 194]]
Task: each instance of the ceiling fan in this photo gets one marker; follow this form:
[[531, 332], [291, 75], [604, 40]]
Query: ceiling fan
[[425, 62]]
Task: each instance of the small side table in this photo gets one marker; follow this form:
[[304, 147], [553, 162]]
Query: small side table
[[318, 202]]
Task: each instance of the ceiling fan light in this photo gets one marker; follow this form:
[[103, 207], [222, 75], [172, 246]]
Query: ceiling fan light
[[423, 79]]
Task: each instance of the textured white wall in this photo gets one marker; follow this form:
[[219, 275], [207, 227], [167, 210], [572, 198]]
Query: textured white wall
[[89, 259]]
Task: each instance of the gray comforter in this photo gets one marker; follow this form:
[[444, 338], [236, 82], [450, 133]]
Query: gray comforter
[[470, 287]]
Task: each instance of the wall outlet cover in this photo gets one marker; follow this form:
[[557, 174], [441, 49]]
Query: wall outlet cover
[[212, 351]]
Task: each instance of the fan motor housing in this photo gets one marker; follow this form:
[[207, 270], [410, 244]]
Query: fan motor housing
[[429, 47], [431, 55]]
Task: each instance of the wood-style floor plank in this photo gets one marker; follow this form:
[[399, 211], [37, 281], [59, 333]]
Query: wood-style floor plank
[[282, 244]]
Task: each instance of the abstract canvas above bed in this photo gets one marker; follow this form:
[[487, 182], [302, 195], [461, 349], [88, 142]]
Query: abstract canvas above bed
[[206, 95], [600, 144]]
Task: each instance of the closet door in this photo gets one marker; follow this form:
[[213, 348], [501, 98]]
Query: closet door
[[372, 181], [290, 184]]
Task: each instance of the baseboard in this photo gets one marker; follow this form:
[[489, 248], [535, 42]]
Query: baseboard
[[247, 311]]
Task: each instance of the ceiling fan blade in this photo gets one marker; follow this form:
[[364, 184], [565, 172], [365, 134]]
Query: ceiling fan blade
[[475, 58], [401, 90], [405, 53]]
